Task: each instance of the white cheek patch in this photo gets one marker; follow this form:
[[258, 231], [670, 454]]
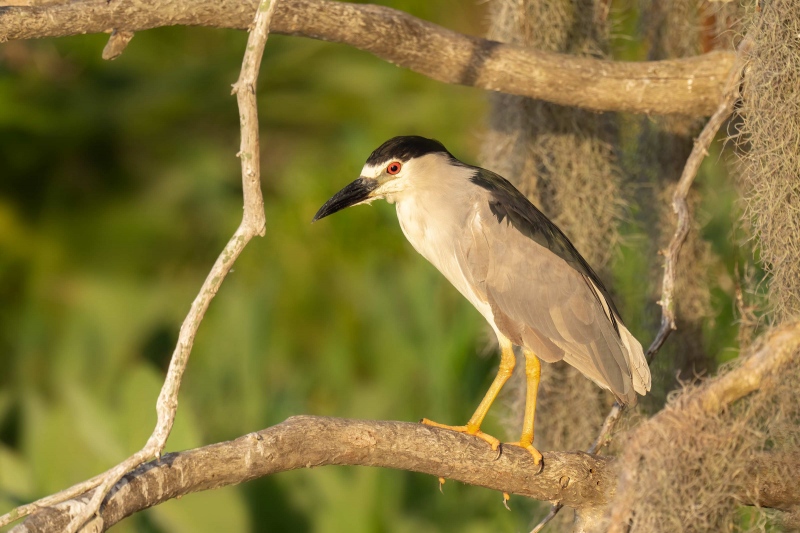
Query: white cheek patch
[[391, 186], [372, 171]]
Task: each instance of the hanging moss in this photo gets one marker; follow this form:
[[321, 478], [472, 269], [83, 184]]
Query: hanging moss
[[771, 164]]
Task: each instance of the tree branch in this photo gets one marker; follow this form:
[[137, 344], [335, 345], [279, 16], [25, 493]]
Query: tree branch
[[576, 478], [690, 86], [778, 350], [252, 224]]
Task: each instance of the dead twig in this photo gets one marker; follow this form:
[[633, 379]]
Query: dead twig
[[252, 224]]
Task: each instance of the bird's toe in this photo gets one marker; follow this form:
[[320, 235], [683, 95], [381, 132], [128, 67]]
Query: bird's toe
[[537, 456], [469, 430]]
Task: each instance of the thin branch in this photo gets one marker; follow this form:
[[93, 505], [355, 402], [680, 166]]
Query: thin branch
[[691, 86], [679, 203], [252, 224], [681, 208], [554, 510]]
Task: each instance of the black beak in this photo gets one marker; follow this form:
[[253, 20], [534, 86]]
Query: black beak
[[356, 192]]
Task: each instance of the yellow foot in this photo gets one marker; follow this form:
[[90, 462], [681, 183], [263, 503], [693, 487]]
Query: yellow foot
[[493, 442], [537, 457]]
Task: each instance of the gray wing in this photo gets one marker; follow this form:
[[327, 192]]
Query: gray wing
[[542, 302]]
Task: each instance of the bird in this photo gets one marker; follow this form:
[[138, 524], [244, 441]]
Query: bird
[[513, 264]]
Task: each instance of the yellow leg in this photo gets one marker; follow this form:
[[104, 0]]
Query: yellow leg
[[533, 372], [473, 427]]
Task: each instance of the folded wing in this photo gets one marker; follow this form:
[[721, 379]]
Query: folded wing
[[543, 294]]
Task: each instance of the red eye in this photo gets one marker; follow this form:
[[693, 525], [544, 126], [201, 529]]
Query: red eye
[[394, 167]]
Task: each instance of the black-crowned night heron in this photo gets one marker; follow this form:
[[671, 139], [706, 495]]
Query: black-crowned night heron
[[512, 263]]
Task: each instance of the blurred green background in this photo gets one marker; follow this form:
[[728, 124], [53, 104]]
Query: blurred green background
[[120, 186]]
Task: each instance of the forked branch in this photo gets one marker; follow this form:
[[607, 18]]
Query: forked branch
[[252, 224]]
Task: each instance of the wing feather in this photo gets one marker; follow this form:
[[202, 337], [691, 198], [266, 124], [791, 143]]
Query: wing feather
[[542, 302]]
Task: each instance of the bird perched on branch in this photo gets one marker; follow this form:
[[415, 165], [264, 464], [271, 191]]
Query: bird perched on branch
[[513, 264]]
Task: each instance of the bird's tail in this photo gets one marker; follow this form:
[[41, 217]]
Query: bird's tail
[[640, 372]]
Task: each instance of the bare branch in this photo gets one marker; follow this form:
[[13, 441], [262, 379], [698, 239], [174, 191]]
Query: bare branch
[[690, 86], [779, 349], [253, 223], [679, 204], [578, 479], [554, 510]]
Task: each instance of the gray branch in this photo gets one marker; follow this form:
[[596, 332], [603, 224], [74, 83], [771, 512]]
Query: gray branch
[[576, 478], [690, 86]]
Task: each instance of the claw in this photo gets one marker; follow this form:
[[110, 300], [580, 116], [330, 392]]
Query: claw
[[441, 484], [506, 497], [537, 457], [499, 452]]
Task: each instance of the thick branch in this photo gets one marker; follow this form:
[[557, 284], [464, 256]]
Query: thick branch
[[779, 349], [574, 478], [688, 86], [578, 479]]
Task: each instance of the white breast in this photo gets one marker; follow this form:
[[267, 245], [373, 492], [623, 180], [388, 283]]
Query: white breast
[[430, 231]]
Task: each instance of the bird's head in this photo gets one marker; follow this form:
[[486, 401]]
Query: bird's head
[[389, 171]]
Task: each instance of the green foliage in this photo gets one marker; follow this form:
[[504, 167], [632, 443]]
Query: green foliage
[[119, 188]]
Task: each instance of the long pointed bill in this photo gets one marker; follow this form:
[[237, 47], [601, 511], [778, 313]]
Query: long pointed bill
[[355, 193]]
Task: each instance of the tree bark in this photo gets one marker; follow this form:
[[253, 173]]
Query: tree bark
[[685, 86], [576, 478], [586, 482]]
